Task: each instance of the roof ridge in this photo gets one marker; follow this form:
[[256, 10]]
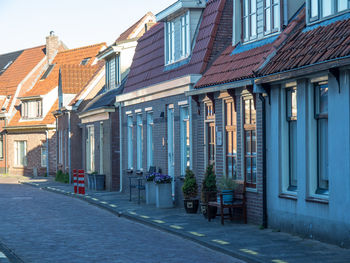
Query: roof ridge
[[84, 47], [25, 49]]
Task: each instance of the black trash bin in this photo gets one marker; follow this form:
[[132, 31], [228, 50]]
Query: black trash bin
[[91, 182], [100, 182]]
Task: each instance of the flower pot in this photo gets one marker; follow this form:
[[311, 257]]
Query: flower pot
[[227, 197], [100, 182], [191, 206], [91, 182], [150, 193], [163, 196]]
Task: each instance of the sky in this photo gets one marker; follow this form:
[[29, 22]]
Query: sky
[[26, 23]]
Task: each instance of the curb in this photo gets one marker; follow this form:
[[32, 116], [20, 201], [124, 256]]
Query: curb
[[115, 211]]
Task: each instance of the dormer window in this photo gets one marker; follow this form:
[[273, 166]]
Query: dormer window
[[85, 61], [272, 17], [32, 109], [177, 38], [249, 20], [113, 75], [319, 9]]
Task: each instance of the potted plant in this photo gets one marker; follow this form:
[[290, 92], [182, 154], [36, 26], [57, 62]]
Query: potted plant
[[151, 189], [163, 191], [208, 191], [190, 191], [227, 187]]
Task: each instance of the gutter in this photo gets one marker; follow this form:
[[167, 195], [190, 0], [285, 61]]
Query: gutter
[[47, 154], [69, 150]]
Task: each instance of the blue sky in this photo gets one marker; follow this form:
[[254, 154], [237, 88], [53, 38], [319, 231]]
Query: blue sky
[[26, 23]]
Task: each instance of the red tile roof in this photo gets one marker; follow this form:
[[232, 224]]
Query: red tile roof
[[65, 59], [127, 34], [233, 66], [19, 69], [306, 47], [148, 64]]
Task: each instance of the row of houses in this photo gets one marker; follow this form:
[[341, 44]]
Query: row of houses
[[259, 89]]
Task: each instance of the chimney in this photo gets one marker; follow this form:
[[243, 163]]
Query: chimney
[[52, 44]]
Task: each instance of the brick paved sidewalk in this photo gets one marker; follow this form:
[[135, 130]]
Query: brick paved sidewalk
[[242, 241]]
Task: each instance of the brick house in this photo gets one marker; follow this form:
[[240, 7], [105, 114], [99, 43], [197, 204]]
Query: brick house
[[158, 121], [32, 131], [100, 118], [81, 77], [308, 126], [19, 71], [231, 121]]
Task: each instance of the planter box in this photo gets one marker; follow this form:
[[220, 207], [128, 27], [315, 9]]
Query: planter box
[[150, 193], [163, 196]]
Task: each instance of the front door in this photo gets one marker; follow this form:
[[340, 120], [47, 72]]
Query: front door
[[171, 164]]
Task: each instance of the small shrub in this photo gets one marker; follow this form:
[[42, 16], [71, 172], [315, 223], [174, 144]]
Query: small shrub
[[209, 182], [190, 187], [62, 177]]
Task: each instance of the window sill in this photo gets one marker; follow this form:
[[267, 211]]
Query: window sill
[[318, 200], [19, 167], [314, 21], [251, 190], [139, 172], [288, 196], [129, 171], [266, 35]]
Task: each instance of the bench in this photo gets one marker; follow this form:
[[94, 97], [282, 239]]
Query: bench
[[238, 202]]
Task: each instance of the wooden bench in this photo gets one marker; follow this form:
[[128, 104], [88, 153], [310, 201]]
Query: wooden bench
[[239, 202]]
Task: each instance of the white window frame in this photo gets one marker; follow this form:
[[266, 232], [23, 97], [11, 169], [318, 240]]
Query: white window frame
[[249, 15], [43, 154], [185, 36], [319, 15], [18, 162], [270, 7], [90, 149], [139, 142], [150, 146], [130, 141], [185, 138], [32, 109]]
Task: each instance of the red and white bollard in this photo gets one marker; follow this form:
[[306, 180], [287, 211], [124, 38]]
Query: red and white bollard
[[81, 182], [75, 181]]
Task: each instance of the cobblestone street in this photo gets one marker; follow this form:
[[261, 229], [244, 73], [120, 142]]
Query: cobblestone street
[[39, 226]]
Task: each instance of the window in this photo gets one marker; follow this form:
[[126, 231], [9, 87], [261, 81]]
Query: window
[[90, 149], [231, 139], [324, 8], [43, 154], [60, 147], [321, 116], [20, 153], [249, 19], [250, 142], [1, 146], [210, 133], [272, 17], [149, 139], [130, 144], [292, 137], [177, 40], [113, 77], [139, 141], [32, 109], [101, 147], [185, 138], [85, 61], [47, 72]]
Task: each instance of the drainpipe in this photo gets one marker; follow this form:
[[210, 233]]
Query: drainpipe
[[56, 143], [6, 170], [262, 98], [47, 154], [120, 149], [69, 150]]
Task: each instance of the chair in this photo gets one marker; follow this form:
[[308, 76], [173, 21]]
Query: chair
[[239, 202], [137, 182]]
